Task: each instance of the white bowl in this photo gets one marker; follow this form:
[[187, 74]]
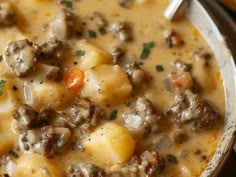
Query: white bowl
[[219, 32]]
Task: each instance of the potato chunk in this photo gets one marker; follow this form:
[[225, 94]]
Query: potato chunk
[[106, 84], [7, 137], [34, 165], [110, 144], [142, 1], [92, 56], [47, 93]]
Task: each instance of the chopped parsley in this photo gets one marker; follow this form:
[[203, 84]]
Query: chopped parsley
[[1, 58], [159, 68], [69, 4], [171, 158], [94, 169], [92, 34], [102, 31], [149, 45], [2, 85], [80, 53], [147, 49], [113, 115], [14, 154]]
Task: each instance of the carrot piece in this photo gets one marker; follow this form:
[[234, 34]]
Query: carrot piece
[[214, 136], [74, 79], [182, 79]]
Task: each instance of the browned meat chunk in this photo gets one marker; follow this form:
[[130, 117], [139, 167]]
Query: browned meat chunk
[[99, 19], [143, 119], [26, 118], [7, 15], [52, 52], [201, 54], [122, 30], [180, 136], [148, 164], [135, 73], [181, 66], [56, 119], [117, 52], [21, 56], [46, 140], [60, 1], [85, 114], [125, 3], [85, 170], [64, 25], [172, 38], [191, 108]]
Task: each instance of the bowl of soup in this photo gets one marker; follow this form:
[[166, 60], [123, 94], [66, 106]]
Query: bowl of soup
[[101, 88]]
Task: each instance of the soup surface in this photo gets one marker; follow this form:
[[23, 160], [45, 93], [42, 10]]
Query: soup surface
[[98, 88]]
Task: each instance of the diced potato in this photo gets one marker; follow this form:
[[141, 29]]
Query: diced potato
[[41, 94], [93, 55], [7, 137], [141, 1], [106, 84], [35, 165], [7, 6], [110, 144]]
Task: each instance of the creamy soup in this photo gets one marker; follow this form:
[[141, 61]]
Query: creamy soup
[[99, 88]]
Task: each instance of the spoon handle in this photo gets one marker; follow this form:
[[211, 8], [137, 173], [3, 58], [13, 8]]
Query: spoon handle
[[173, 8]]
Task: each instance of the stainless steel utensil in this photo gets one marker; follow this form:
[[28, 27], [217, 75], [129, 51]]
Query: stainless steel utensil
[[173, 8]]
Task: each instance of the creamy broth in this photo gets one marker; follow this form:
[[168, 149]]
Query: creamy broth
[[168, 103]]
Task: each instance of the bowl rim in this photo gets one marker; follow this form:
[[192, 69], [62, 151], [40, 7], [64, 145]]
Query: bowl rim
[[210, 19]]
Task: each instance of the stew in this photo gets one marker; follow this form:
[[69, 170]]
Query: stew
[[99, 88]]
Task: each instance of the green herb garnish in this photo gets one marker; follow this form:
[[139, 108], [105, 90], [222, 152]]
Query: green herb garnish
[[113, 115], [92, 34], [159, 68], [171, 158], [69, 4], [14, 154], [94, 169], [149, 45], [145, 53], [2, 85], [80, 53], [102, 31], [147, 49], [1, 58]]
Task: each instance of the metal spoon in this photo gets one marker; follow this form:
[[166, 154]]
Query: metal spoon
[[173, 8]]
